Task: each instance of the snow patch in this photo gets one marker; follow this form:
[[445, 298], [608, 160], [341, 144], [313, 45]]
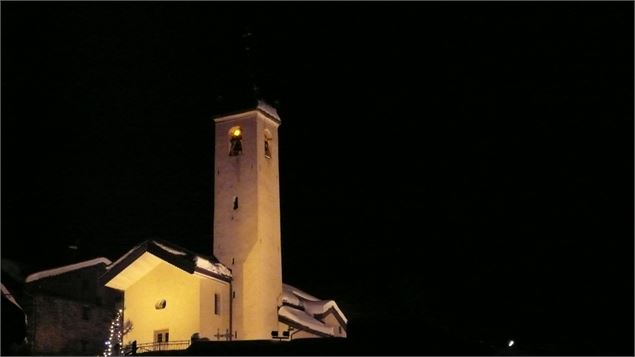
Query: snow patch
[[168, 249], [66, 269], [303, 319], [216, 268]]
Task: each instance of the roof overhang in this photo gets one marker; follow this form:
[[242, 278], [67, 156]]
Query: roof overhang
[[146, 256]]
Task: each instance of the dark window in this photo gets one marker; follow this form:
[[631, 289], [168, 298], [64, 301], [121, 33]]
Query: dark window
[[216, 304], [235, 202], [267, 149], [161, 336], [160, 304], [268, 139], [86, 312], [84, 344]]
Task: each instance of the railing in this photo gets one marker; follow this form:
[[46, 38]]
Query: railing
[[158, 346]]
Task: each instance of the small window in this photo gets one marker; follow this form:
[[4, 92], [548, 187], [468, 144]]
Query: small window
[[86, 312], [235, 141], [235, 202], [268, 139], [216, 304], [162, 336], [160, 304]]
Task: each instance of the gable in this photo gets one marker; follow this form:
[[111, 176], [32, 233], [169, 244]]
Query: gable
[[143, 258]]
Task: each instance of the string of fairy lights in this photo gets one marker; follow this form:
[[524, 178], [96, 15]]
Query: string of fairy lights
[[115, 335]]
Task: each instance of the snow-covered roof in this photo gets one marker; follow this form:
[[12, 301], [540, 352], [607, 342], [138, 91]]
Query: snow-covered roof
[[309, 303], [180, 257], [66, 269], [271, 111], [304, 320], [216, 268], [306, 310]]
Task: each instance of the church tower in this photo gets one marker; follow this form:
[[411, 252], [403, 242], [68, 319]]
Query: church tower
[[247, 217]]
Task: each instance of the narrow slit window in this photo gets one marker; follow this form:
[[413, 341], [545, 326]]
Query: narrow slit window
[[235, 141], [235, 202], [216, 304]]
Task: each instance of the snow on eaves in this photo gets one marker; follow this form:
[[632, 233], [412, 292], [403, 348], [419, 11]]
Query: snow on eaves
[[303, 319], [216, 268], [168, 249], [321, 307], [66, 269], [9, 296], [201, 262], [124, 256]]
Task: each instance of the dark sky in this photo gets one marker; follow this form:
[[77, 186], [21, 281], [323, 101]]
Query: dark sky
[[465, 165]]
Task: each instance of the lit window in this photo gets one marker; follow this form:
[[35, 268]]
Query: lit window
[[160, 304], [235, 141]]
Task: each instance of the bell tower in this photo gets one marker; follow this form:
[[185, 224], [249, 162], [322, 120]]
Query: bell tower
[[247, 217]]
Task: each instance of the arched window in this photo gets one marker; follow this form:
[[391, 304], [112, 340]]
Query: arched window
[[268, 138], [235, 141]]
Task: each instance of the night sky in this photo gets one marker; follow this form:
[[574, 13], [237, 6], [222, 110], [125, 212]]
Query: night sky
[[466, 167]]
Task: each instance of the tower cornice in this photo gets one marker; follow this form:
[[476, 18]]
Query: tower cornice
[[262, 107]]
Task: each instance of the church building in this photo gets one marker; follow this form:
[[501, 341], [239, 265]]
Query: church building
[[237, 293]]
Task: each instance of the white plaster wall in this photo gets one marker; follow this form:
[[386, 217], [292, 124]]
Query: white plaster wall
[[248, 239], [181, 314]]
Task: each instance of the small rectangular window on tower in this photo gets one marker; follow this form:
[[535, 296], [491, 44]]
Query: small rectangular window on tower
[[216, 304]]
